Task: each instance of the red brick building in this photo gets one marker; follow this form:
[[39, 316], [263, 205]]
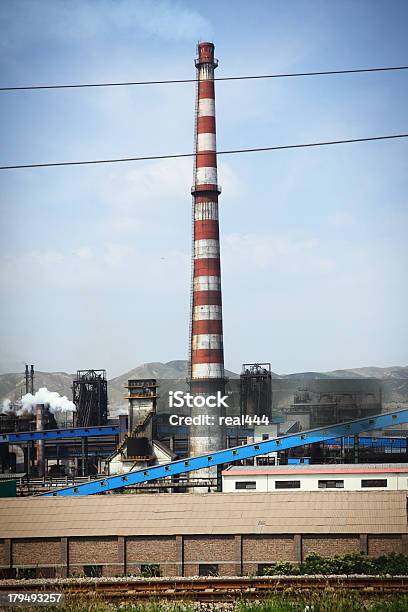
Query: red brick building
[[182, 534]]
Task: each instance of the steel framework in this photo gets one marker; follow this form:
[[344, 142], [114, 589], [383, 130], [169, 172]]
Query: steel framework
[[60, 434], [256, 389], [90, 396], [238, 453]]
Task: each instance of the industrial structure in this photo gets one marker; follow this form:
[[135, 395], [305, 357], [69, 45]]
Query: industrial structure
[[143, 438], [90, 396], [206, 339], [256, 390], [29, 379], [239, 453], [324, 401], [281, 489], [139, 446]]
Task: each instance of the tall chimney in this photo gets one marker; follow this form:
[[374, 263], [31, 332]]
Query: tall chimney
[[32, 380], [39, 423], [27, 379], [206, 338]]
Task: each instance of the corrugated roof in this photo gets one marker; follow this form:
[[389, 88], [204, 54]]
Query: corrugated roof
[[280, 470], [214, 513]]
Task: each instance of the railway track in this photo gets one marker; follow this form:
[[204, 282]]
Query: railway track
[[211, 589]]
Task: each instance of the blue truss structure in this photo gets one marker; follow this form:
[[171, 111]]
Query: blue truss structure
[[237, 453], [60, 434]]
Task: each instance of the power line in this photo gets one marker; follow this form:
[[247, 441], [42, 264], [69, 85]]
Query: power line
[[234, 78], [228, 152]]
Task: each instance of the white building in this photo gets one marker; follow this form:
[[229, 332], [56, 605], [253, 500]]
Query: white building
[[349, 477]]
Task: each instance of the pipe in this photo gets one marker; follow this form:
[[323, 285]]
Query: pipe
[[39, 422]]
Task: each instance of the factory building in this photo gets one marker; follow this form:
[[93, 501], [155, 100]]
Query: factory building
[[174, 535], [354, 477], [138, 444], [326, 401]]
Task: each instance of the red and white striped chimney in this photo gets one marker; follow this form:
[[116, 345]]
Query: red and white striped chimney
[[206, 342]]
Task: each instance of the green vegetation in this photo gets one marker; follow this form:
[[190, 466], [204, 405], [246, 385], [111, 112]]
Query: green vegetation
[[357, 563], [150, 570], [325, 601]]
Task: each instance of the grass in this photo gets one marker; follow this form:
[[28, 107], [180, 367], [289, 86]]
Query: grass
[[325, 601]]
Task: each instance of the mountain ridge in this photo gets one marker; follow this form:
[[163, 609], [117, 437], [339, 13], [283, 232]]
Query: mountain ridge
[[12, 385]]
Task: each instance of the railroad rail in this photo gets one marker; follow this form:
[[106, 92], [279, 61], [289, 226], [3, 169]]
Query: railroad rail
[[211, 588]]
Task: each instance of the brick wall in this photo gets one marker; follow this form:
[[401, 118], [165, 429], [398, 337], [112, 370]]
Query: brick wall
[[151, 550], [224, 550], [265, 548], [210, 549], [329, 546], [384, 545], [34, 552], [93, 550], [147, 550]]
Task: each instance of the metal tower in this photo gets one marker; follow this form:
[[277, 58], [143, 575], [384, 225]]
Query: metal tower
[[90, 395], [206, 336], [256, 390]]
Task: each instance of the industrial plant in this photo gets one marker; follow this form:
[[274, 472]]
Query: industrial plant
[[260, 469]]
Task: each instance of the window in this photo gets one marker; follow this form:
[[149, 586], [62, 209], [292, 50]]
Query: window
[[264, 569], [245, 484], [374, 482], [25, 573], [287, 484], [45, 572], [265, 461], [208, 569], [93, 571], [150, 570], [331, 484]]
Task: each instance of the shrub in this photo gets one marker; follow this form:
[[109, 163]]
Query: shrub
[[355, 563], [281, 568]]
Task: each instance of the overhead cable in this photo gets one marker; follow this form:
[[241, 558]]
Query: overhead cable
[[232, 78], [227, 152]]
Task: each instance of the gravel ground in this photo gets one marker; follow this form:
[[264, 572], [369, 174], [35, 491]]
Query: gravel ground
[[84, 580]]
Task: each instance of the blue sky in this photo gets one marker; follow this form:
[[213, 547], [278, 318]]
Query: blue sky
[[95, 260]]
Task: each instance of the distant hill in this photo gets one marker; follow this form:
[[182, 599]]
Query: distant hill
[[174, 370], [12, 386], [396, 372]]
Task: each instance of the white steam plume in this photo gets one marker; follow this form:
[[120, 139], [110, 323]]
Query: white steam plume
[[6, 405], [55, 401]]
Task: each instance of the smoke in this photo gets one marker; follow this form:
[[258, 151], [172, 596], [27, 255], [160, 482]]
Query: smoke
[[56, 402], [6, 405]]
